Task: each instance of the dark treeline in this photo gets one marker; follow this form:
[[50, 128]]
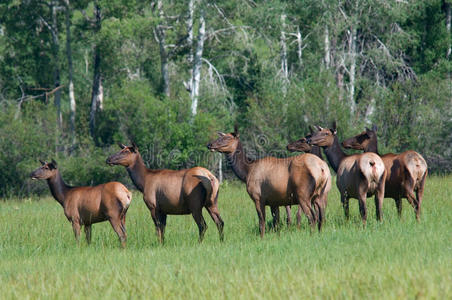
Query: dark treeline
[[78, 76]]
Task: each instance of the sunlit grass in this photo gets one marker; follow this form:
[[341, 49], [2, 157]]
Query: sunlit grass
[[395, 259]]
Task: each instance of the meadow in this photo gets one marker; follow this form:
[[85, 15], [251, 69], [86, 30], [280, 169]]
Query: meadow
[[389, 260]]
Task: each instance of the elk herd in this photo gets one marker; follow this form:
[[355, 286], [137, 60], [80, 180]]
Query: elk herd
[[303, 180]]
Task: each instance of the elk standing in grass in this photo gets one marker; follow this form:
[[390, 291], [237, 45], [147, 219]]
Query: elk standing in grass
[[302, 145], [406, 172], [171, 192], [86, 205], [358, 176], [304, 180]]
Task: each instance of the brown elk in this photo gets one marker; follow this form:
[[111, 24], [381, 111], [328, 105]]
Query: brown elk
[[304, 179], [302, 145], [86, 205], [406, 172], [358, 176], [172, 192]]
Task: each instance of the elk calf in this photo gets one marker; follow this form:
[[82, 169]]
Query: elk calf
[[86, 205]]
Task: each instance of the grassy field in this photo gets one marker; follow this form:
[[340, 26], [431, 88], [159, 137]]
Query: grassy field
[[395, 259]]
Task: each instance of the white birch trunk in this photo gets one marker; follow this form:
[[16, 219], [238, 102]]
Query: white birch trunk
[[352, 54], [448, 25], [191, 13], [284, 68], [197, 63], [72, 103], [327, 58], [300, 47]]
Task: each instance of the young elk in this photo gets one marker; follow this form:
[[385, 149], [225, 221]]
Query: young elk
[[304, 180], [170, 192], [358, 176], [406, 172], [86, 205]]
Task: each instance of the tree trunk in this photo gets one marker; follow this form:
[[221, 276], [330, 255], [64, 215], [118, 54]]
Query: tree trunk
[[97, 95], [300, 47], [284, 68], [191, 13], [352, 54], [56, 71], [327, 58], [161, 37], [70, 71], [220, 168], [447, 8], [197, 63]]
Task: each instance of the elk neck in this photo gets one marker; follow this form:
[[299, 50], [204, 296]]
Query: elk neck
[[58, 187], [316, 151], [137, 173], [239, 162], [334, 154], [372, 146]]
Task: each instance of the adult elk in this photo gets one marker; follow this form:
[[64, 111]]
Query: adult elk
[[302, 145], [304, 179], [406, 172], [172, 192], [358, 176], [86, 205]]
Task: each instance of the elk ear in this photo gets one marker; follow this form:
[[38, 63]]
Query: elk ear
[[311, 129], [221, 133], [374, 127], [42, 162], [236, 131], [53, 164], [333, 131], [121, 145], [318, 127], [134, 147], [367, 129], [334, 127]]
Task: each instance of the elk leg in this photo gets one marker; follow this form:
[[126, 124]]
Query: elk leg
[[299, 217], [321, 213], [202, 226], [215, 215], [289, 215], [260, 209], [156, 218], [116, 224], [345, 204], [362, 208], [88, 233], [76, 229], [419, 195], [162, 219], [307, 211], [275, 215], [398, 203]]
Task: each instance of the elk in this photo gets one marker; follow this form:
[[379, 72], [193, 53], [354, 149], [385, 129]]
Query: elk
[[86, 205], [304, 180], [172, 192], [302, 145], [358, 176], [406, 172]]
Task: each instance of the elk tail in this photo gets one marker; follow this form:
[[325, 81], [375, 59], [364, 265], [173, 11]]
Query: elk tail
[[211, 185]]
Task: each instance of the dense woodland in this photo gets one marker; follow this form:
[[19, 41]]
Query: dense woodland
[[78, 76]]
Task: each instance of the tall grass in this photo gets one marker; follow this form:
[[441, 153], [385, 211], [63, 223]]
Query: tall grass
[[394, 259]]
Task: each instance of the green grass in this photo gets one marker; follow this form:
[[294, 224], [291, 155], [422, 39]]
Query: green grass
[[395, 259]]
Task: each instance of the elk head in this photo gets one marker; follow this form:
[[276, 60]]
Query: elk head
[[45, 171], [125, 157], [362, 140], [302, 144], [323, 137], [226, 142]]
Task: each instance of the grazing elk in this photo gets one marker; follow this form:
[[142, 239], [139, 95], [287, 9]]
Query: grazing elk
[[172, 192], [358, 176], [304, 179], [86, 205], [406, 172], [302, 145]]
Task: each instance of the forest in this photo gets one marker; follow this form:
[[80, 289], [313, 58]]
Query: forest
[[76, 77]]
